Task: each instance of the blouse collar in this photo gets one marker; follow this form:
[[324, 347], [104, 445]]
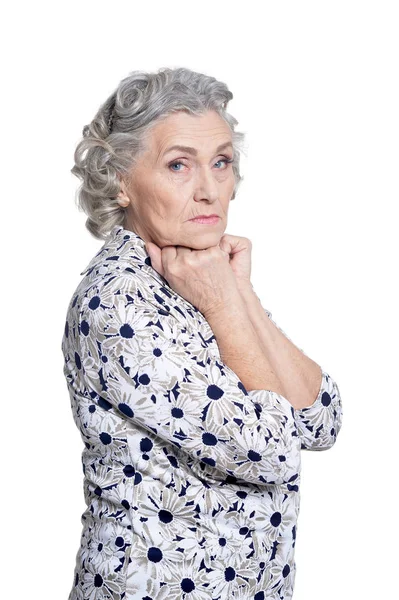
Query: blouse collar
[[122, 245], [127, 247]]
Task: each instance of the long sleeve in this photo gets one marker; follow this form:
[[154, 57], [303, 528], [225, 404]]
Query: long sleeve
[[319, 424], [142, 363]]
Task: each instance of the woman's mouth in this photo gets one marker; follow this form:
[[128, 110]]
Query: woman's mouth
[[211, 220]]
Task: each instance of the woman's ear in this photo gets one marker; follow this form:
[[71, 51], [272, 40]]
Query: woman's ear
[[123, 198]]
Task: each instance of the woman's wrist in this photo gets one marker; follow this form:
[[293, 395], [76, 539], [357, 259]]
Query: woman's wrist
[[233, 305], [257, 314], [247, 291]]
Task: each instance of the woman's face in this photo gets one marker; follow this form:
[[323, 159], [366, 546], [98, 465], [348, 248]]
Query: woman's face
[[168, 187]]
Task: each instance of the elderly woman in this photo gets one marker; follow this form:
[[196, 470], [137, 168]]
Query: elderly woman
[[192, 403]]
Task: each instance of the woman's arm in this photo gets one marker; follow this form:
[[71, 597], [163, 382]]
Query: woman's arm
[[140, 361], [240, 347], [299, 375], [313, 392]]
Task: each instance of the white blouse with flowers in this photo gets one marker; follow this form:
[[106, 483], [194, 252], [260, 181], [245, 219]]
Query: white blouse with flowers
[[191, 481]]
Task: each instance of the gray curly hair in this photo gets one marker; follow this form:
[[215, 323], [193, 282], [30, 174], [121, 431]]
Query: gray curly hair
[[115, 138]]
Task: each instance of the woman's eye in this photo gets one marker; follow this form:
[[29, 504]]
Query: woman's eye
[[174, 164], [225, 160]]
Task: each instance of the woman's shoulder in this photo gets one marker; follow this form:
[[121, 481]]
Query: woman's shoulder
[[121, 266], [121, 274], [120, 244], [123, 254], [116, 296]]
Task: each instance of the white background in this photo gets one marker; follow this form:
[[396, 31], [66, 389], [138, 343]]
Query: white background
[[315, 89]]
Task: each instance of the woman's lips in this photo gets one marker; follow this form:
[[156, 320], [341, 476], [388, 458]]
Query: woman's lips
[[205, 220]]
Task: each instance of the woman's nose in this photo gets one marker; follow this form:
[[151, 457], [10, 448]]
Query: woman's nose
[[206, 185]]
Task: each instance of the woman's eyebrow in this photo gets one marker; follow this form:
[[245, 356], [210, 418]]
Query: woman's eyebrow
[[193, 151]]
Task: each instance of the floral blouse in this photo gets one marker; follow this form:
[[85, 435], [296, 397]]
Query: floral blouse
[[191, 482]]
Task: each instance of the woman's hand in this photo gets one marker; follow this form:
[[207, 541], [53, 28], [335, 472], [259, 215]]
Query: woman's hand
[[239, 250], [203, 277]]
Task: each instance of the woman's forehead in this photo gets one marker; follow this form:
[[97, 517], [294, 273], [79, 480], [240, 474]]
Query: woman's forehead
[[190, 133]]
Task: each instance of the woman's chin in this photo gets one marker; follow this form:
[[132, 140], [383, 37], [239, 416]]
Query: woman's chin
[[204, 241]]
